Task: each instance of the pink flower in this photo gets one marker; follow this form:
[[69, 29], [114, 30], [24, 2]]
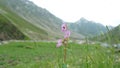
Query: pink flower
[[67, 34], [64, 27], [59, 43]]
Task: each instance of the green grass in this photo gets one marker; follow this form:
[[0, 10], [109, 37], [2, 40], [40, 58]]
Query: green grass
[[46, 55]]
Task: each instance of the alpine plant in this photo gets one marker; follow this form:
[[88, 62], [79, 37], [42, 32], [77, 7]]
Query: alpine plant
[[64, 41]]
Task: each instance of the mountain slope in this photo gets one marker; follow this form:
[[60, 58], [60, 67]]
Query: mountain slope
[[87, 28], [115, 34], [112, 35], [31, 20], [9, 31]]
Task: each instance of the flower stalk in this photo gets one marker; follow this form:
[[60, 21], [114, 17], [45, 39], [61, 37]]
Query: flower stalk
[[64, 42]]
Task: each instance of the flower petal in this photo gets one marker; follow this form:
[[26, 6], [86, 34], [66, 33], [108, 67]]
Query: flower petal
[[64, 27], [59, 43], [67, 34]]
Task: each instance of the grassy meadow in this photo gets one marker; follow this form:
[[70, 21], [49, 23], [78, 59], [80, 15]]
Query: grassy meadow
[[46, 55]]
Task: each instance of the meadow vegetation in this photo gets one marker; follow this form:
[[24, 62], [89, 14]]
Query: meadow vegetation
[[46, 55]]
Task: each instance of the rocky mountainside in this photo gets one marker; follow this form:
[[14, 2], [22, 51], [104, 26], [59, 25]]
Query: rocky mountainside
[[33, 21], [87, 28]]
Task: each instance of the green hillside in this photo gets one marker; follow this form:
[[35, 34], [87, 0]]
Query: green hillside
[[38, 23], [9, 31], [24, 26], [112, 36], [33, 21]]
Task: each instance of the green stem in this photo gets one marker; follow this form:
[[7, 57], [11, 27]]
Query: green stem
[[65, 52]]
